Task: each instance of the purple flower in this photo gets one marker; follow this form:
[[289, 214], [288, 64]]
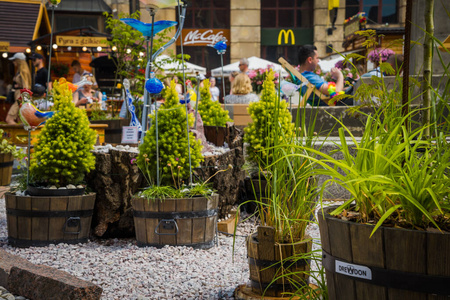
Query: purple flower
[[377, 54], [339, 65], [132, 161]]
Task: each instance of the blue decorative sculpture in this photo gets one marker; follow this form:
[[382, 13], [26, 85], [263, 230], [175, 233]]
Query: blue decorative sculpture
[[220, 46], [146, 28], [154, 85]]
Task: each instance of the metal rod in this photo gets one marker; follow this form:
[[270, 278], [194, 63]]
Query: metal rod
[[196, 102], [50, 56], [185, 103], [28, 154], [223, 84], [407, 47]]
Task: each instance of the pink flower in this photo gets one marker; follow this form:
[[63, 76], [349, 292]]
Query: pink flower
[[350, 75], [259, 82], [276, 75], [252, 74], [132, 161], [261, 71], [177, 159]]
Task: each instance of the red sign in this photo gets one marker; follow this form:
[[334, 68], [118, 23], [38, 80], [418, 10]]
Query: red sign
[[203, 37]]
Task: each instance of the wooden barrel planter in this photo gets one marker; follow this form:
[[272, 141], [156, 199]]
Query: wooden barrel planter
[[40, 221], [6, 166], [178, 222], [215, 135], [394, 263], [113, 133], [269, 260]]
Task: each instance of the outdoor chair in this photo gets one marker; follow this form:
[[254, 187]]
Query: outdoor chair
[[310, 87]]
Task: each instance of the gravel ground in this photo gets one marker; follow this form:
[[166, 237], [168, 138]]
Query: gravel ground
[[126, 271]]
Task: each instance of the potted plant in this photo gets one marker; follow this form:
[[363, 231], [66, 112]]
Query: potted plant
[[267, 114], [393, 231], [214, 117], [55, 208], [171, 210], [287, 203], [8, 153]]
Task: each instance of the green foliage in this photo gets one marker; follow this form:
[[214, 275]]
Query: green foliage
[[211, 111], [272, 124], [173, 143], [7, 147], [130, 43], [63, 153]]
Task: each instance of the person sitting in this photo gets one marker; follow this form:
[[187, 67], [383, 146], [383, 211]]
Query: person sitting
[[308, 60], [85, 94], [39, 97], [243, 66], [231, 78], [242, 89]]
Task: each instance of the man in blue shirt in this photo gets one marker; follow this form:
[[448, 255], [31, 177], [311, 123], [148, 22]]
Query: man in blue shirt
[[308, 60]]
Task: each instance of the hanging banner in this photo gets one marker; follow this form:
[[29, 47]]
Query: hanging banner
[[80, 41], [4, 46], [203, 37]]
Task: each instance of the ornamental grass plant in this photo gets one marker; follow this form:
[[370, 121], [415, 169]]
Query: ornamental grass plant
[[63, 152]]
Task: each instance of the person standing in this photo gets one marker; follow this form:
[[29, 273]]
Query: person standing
[[22, 80], [41, 75], [79, 72], [213, 89]]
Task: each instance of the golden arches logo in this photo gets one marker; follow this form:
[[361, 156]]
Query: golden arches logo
[[286, 34]]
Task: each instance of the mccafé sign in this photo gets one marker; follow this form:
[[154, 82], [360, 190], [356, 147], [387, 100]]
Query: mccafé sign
[[203, 37]]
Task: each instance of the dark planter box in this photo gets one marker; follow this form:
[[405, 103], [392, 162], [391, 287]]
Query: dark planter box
[[113, 134]]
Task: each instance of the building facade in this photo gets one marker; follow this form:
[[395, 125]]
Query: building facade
[[271, 28]]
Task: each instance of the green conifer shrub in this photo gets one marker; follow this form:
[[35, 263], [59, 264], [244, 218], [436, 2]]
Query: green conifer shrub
[[63, 152], [211, 111], [173, 143], [272, 123]]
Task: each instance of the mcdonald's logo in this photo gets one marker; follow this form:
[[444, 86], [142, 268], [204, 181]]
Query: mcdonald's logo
[[286, 35]]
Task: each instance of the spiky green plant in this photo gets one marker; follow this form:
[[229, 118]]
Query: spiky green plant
[[211, 111], [173, 144], [272, 124], [63, 152]]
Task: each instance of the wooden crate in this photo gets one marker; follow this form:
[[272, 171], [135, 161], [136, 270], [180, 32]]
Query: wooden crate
[[227, 225]]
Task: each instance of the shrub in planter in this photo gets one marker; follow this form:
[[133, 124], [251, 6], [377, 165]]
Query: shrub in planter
[[63, 153], [271, 124], [211, 111], [8, 153]]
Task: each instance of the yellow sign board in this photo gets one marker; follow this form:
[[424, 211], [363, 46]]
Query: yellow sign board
[[4, 46], [80, 41], [286, 34]]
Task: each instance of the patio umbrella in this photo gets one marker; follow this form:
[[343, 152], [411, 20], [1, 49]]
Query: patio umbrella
[[170, 67], [254, 63]]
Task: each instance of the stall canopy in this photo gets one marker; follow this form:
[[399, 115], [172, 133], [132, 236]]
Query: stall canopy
[[171, 67], [21, 22], [254, 63]]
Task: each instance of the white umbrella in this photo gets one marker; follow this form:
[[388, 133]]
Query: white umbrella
[[176, 67], [254, 63]]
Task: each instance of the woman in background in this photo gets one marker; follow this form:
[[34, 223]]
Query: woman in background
[[22, 80], [242, 89], [85, 94]]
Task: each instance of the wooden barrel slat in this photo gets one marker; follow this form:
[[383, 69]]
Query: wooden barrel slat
[[73, 204], [199, 224], [23, 223], [438, 262], [6, 171], [138, 204], [40, 226], [364, 253], [168, 205], [196, 230], [412, 245], [11, 220], [325, 241], [88, 203], [184, 235], [57, 224]]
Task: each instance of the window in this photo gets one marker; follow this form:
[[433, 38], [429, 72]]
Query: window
[[208, 14], [287, 13], [377, 11]]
